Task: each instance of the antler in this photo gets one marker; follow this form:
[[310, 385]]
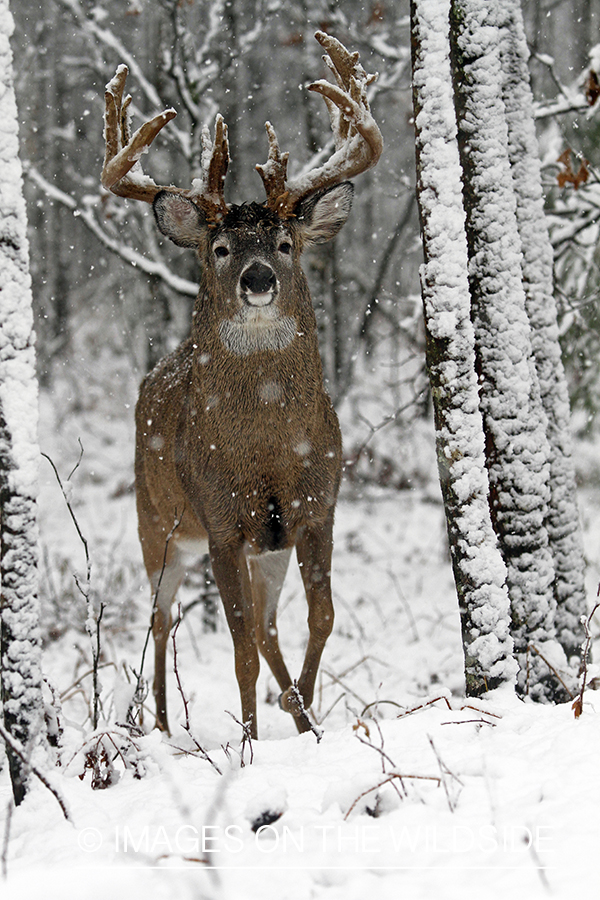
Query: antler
[[122, 172], [358, 140]]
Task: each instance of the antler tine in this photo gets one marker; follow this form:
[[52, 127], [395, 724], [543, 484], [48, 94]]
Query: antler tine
[[209, 189], [274, 172], [122, 152], [112, 101], [342, 63], [122, 173], [358, 140]]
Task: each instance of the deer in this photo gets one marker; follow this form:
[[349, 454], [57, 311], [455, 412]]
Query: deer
[[238, 447]]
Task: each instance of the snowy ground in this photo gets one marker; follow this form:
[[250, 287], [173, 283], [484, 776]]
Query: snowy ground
[[494, 801]]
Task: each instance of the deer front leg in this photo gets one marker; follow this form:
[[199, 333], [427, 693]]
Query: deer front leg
[[313, 549], [231, 574], [165, 583]]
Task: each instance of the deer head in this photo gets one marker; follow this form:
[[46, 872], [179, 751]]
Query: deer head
[[237, 442], [251, 261]]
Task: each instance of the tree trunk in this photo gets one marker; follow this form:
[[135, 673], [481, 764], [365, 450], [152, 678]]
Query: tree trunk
[[478, 568], [20, 648], [564, 531], [517, 450]]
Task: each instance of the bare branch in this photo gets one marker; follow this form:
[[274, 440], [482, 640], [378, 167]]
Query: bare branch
[[150, 266]]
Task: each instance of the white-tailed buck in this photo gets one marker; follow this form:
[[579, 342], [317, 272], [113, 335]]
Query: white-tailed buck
[[238, 445]]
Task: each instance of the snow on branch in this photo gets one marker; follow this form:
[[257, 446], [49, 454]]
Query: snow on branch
[[115, 245]]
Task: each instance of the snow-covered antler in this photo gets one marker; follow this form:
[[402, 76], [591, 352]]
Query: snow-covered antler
[[358, 141], [122, 173]]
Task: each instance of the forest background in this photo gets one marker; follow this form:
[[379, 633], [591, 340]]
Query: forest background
[[97, 264], [110, 299]]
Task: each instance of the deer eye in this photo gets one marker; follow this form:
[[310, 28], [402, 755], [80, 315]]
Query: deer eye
[[285, 247], [221, 251]]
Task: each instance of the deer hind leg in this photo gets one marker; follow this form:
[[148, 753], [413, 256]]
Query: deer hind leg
[[313, 549], [231, 574], [267, 574]]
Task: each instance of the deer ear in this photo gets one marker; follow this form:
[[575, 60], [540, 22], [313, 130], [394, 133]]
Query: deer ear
[[323, 214], [179, 219]]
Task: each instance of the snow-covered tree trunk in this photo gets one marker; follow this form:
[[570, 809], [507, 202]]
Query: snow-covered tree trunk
[[20, 646], [562, 523], [514, 421], [479, 571]]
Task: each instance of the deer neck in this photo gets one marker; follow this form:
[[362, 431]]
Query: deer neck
[[273, 361]]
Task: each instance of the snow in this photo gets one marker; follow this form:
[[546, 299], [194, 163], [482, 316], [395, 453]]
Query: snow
[[512, 813], [515, 811], [495, 798], [401, 797]]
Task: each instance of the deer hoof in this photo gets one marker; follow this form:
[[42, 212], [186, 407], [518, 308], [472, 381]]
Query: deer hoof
[[290, 701]]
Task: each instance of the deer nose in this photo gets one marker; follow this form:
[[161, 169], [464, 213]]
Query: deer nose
[[258, 279]]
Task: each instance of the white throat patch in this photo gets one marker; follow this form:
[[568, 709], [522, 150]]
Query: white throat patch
[[244, 338]]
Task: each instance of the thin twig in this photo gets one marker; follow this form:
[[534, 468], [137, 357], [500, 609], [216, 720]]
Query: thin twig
[[95, 661], [386, 258], [380, 750], [551, 667], [470, 722], [387, 420], [246, 737], [539, 867], [342, 685], [578, 702], [390, 779], [359, 662], [384, 757], [298, 701], [405, 604], [484, 712], [322, 718], [444, 770], [176, 668], [78, 463], [414, 709], [93, 633], [17, 748], [64, 695], [73, 516], [187, 727], [377, 702]]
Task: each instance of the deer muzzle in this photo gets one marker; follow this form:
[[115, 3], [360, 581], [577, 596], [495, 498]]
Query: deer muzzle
[[258, 284]]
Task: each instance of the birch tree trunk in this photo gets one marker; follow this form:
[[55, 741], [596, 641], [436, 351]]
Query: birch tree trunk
[[479, 571], [564, 531], [514, 421], [20, 648]]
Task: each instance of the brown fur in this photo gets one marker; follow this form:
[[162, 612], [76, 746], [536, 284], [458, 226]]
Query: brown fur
[[243, 448]]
